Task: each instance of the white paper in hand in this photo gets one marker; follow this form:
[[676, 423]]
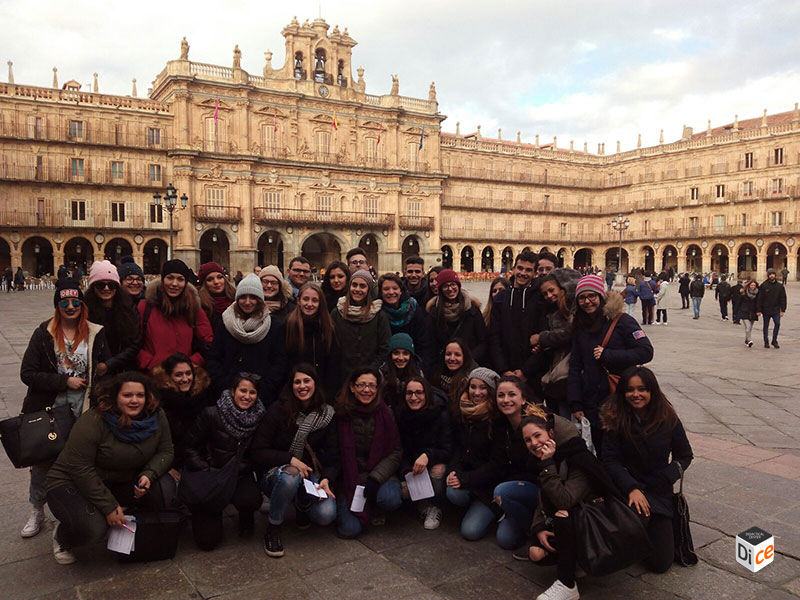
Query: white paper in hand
[[359, 501], [419, 486], [313, 490], [122, 540]]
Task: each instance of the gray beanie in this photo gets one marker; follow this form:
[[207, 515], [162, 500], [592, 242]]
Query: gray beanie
[[486, 375], [365, 275], [250, 285]]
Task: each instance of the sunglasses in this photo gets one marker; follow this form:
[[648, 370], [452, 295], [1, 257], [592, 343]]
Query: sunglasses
[[102, 285], [66, 303]]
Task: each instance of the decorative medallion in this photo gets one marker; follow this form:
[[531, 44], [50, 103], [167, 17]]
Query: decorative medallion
[[323, 91]]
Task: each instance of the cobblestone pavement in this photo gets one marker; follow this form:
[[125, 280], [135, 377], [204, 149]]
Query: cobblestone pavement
[[741, 407]]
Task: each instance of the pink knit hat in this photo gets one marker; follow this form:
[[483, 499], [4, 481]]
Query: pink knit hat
[[103, 270], [592, 283]]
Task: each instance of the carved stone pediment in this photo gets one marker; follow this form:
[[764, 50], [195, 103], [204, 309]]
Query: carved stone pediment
[[414, 190], [374, 125], [212, 104], [271, 111], [412, 130], [215, 174], [272, 179], [372, 188], [326, 119]]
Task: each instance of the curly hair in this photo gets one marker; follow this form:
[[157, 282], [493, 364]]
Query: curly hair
[[108, 391]]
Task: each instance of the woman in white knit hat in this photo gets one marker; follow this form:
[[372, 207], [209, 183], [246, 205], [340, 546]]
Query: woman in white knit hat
[[277, 293]]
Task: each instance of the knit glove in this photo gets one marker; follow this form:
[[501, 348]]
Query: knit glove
[[371, 489]]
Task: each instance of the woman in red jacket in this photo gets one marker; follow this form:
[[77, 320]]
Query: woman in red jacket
[[173, 319]]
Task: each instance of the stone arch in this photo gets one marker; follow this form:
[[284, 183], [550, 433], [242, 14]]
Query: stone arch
[[371, 244], [467, 263], [487, 259], [613, 259], [582, 258], [230, 233], [669, 258], [116, 248], [746, 259], [215, 246], [648, 258], [37, 263], [561, 255], [270, 247], [79, 252], [777, 256], [447, 256], [5, 254], [154, 255], [694, 258], [321, 248], [412, 246], [507, 260], [719, 258]]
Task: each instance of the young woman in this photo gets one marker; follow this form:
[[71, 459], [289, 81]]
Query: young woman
[[59, 368], [433, 286], [452, 369], [645, 450], [662, 302], [498, 284], [118, 454], [277, 293], [474, 470], [370, 451], [113, 309], [591, 361], [184, 390], [297, 440], [249, 340], [425, 433], [454, 314], [362, 328], [631, 295], [216, 291], [747, 309], [131, 279], [400, 366], [335, 282], [554, 441], [172, 319], [310, 338], [224, 432], [405, 315]]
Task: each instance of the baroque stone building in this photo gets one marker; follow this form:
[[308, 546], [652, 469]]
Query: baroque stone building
[[301, 160]]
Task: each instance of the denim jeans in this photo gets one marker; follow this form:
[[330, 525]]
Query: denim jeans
[[776, 319], [282, 487], [630, 309], [518, 501], [479, 517], [748, 330], [696, 305], [36, 490], [388, 499]]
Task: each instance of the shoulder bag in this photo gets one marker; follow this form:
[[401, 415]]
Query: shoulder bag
[[554, 381], [37, 437], [684, 546], [211, 489], [613, 380]]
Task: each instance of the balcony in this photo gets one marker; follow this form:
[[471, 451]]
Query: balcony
[[93, 135], [210, 213], [416, 223], [301, 216], [86, 176], [50, 219]]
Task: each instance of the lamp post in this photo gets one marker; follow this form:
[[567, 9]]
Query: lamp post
[[171, 204], [620, 224]]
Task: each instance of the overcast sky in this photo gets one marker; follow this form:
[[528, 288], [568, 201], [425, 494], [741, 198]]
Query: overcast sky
[[589, 71]]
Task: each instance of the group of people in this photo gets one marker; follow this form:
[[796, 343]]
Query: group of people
[[330, 398]]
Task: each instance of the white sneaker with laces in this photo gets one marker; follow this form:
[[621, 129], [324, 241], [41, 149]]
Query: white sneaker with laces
[[433, 517], [558, 591], [62, 555], [34, 524]]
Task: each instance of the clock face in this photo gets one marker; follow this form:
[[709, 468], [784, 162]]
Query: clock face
[[324, 91]]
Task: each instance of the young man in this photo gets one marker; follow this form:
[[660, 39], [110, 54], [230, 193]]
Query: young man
[[736, 299], [771, 303], [357, 260], [697, 290], [547, 262], [723, 294], [298, 273], [415, 280], [784, 275]]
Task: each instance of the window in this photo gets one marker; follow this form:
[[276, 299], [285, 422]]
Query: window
[[546, 200], [118, 134], [117, 170], [215, 201], [299, 72], [39, 167], [371, 205], [776, 218], [743, 219], [489, 224], [646, 225], [155, 172], [748, 160], [668, 223], [414, 207], [271, 137], [319, 65], [156, 214], [719, 222], [563, 229], [413, 153], [78, 210], [117, 212], [371, 148], [324, 204], [153, 136], [777, 156], [272, 201], [693, 222], [694, 193], [76, 130], [35, 127], [76, 167], [323, 141], [215, 135], [721, 190], [747, 188], [777, 185]]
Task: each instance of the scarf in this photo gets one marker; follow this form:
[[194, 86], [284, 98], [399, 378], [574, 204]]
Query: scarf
[[355, 314], [385, 440], [751, 293], [308, 424], [273, 305], [454, 311], [137, 431], [239, 423], [221, 303], [251, 331], [401, 315], [473, 411]]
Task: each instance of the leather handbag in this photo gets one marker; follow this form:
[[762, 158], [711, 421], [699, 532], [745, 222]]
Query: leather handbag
[[684, 546], [211, 489], [613, 380], [38, 437], [555, 380]]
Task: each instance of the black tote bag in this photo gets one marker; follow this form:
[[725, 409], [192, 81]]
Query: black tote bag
[[684, 546], [38, 437], [211, 489]]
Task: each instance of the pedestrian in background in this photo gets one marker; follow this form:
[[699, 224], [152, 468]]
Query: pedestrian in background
[[772, 305], [697, 290], [723, 293], [747, 309], [631, 294], [683, 290]]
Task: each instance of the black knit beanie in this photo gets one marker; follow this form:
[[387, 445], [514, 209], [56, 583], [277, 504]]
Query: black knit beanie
[[66, 289], [177, 266]]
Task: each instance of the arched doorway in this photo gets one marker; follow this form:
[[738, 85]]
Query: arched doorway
[[694, 259], [116, 249], [719, 258], [369, 243], [447, 257], [214, 246], [777, 257], [508, 259], [5, 255], [37, 257], [270, 249], [78, 252], [411, 247], [321, 249], [582, 258], [487, 260], [155, 255], [669, 258], [561, 254], [467, 260], [649, 259], [544, 249], [613, 260], [746, 259]]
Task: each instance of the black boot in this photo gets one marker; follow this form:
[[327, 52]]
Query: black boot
[[272, 541], [246, 524]]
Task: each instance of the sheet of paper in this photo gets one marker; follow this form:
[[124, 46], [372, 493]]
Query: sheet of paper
[[122, 540], [312, 490], [357, 505], [419, 486]]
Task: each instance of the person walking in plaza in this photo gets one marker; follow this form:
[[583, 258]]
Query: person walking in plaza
[[414, 280], [335, 282], [278, 297], [19, 280], [297, 274], [631, 294], [131, 279], [405, 314], [297, 440], [697, 290], [647, 295], [215, 290], [784, 275], [8, 279], [610, 275], [747, 310], [645, 451], [59, 367], [662, 302], [771, 303], [736, 298], [723, 293], [172, 319], [683, 289]]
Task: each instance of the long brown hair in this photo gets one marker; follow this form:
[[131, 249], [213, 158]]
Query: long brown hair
[[367, 300], [207, 301], [81, 332], [562, 304], [487, 311], [290, 404], [346, 401], [184, 305], [295, 324], [616, 414], [108, 392]]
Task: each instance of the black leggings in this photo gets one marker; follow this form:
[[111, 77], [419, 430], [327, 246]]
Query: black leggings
[[80, 522], [565, 558], [207, 527]]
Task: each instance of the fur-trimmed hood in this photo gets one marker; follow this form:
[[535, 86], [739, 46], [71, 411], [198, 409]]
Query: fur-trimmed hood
[[467, 301], [164, 382], [568, 280], [615, 305], [151, 293]]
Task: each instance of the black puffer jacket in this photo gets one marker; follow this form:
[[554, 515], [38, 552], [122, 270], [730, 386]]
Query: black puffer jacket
[[697, 288], [517, 313], [362, 344], [747, 308], [121, 331], [476, 457], [425, 431], [326, 362], [209, 445], [518, 464], [771, 298]]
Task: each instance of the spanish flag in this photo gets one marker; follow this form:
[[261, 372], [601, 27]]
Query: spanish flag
[[335, 122]]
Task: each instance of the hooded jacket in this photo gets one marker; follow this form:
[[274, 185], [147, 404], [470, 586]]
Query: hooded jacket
[[517, 313], [697, 288], [471, 328], [771, 297], [558, 333], [683, 285]]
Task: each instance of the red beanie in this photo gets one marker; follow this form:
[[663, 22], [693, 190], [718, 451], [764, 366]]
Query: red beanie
[[592, 283], [207, 268], [447, 276]]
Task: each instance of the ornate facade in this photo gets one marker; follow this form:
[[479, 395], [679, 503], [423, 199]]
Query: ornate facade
[[301, 160]]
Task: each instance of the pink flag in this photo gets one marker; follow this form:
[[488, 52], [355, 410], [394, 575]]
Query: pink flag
[[275, 121], [216, 111]]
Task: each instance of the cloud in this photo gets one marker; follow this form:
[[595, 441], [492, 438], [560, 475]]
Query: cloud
[[671, 35]]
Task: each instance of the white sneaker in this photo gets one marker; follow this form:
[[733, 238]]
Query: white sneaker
[[62, 555], [433, 517], [34, 524], [558, 591]]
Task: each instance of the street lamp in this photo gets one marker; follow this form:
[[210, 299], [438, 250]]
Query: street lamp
[[620, 224], [171, 204]]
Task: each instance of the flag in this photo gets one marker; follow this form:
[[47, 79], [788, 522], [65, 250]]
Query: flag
[[421, 137], [380, 131], [275, 121], [335, 122], [216, 111]]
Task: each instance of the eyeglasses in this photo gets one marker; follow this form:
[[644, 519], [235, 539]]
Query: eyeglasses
[[102, 285], [269, 283], [449, 286], [584, 298], [415, 392], [358, 262], [544, 269], [66, 303], [366, 386], [133, 279]]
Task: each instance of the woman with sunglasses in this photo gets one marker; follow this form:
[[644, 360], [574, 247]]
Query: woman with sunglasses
[[591, 361], [59, 366], [110, 307]]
